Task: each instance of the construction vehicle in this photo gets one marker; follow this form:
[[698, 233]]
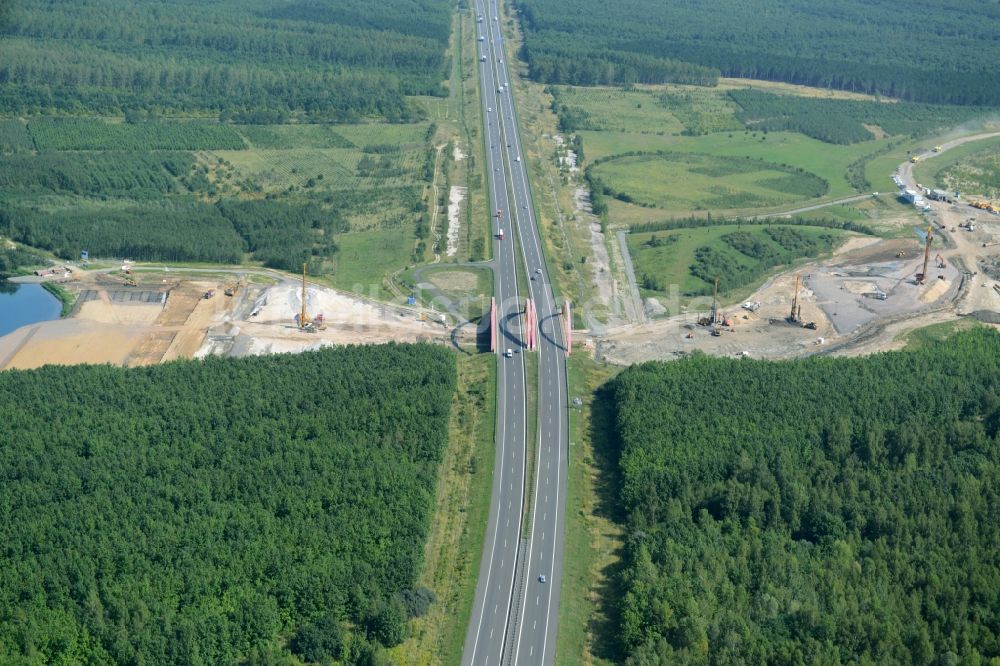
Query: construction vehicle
[[231, 290], [129, 282], [940, 261], [715, 319], [751, 306], [713, 314], [878, 294], [914, 159], [795, 315], [209, 294], [937, 149], [928, 237]]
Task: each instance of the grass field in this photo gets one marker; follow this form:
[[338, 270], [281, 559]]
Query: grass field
[[670, 258], [266, 137], [327, 168], [468, 289], [935, 333], [406, 136], [613, 109], [677, 182], [824, 160], [455, 542], [593, 533], [700, 121], [365, 259]]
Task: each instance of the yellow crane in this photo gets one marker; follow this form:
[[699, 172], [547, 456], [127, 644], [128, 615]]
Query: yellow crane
[[305, 324]]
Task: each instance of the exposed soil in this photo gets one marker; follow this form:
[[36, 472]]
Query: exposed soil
[[140, 326]]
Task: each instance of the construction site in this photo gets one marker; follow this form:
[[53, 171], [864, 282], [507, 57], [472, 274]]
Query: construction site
[[140, 315], [942, 267], [939, 261]]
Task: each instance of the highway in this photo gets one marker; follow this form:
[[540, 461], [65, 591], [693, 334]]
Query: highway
[[515, 614]]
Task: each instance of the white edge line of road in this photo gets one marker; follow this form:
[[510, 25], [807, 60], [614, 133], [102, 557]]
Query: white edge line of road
[[503, 422], [524, 391], [522, 173]]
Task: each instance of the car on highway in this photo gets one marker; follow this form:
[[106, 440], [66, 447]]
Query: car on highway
[[541, 578], [489, 109], [517, 159], [509, 353], [538, 271]]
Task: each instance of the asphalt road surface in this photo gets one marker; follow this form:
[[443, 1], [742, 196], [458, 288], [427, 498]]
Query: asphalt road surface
[[515, 615]]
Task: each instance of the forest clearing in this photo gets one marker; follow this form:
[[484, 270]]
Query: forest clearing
[[166, 316]]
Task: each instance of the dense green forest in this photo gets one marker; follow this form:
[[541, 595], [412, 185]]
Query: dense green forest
[[132, 175], [826, 510], [925, 51], [200, 512], [146, 134], [182, 229], [776, 246], [13, 258], [247, 58]]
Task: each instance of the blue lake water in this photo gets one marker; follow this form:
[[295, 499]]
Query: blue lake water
[[22, 304]]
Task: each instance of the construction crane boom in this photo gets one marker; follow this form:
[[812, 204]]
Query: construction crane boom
[[715, 303], [922, 276], [796, 312], [303, 317]]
